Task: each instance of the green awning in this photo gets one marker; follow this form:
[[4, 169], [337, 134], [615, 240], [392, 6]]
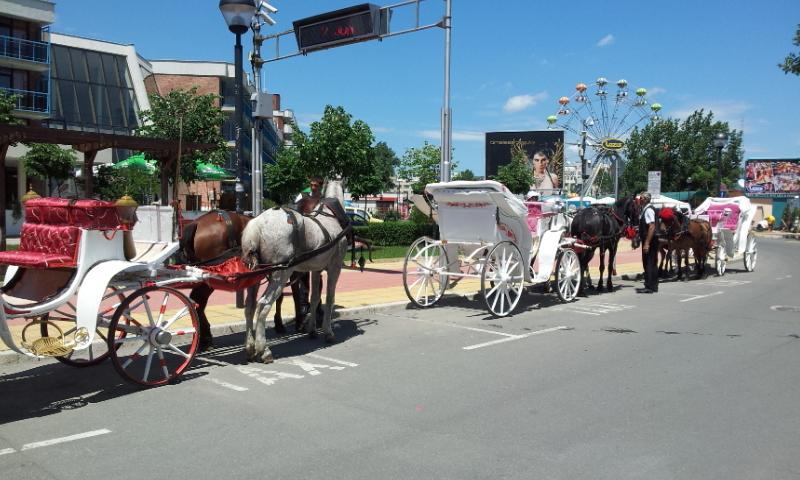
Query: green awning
[[209, 171], [137, 161]]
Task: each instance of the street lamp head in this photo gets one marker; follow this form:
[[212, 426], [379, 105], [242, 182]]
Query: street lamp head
[[238, 14], [721, 140]]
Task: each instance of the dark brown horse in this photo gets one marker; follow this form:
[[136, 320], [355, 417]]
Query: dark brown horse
[[682, 234]]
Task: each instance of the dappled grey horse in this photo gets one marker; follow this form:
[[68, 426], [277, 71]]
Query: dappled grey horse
[[304, 243]]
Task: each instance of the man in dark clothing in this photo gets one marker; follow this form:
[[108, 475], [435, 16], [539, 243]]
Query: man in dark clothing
[[647, 233]]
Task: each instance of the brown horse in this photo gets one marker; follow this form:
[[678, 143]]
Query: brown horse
[[682, 234]]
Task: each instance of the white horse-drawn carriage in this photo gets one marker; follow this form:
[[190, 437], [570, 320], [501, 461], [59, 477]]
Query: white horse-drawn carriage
[[488, 233], [731, 222], [85, 286]]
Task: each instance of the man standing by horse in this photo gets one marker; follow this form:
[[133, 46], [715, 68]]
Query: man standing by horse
[[647, 233], [301, 280]]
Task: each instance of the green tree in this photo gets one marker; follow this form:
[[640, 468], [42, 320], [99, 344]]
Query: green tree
[[791, 64], [422, 166], [465, 175], [379, 176], [337, 146], [516, 175], [7, 105], [191, 117], [681, 150], [113, 182], [285, 178], [50, 163]]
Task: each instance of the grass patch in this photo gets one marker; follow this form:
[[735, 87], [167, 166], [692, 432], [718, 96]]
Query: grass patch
[[11, 248], [380, 253]]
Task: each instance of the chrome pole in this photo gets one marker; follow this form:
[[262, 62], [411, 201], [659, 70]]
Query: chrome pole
[[447, 125]]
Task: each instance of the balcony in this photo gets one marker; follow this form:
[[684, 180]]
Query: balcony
[[28, 104], [24, 54]]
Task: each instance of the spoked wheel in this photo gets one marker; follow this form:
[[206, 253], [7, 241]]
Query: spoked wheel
[[65, 317], [502, 278], [568, 275], [751, 253], [423, 277], [153, 336], [721, 261]]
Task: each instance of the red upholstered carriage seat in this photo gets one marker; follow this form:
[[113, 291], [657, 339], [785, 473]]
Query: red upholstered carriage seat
[[534, 214], [52, 231], [716, 211]]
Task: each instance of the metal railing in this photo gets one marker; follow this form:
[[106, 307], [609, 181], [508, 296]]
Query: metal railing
[[19, 48], [29, 101]]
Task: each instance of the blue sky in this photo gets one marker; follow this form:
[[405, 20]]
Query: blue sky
[[511, 61]]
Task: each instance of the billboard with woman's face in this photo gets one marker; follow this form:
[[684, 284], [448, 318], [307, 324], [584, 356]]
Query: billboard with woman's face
[[543, 151], [772, 177]]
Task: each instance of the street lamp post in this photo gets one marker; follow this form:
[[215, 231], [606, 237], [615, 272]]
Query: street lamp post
[[688, 189], [238, 15], [720, 141]]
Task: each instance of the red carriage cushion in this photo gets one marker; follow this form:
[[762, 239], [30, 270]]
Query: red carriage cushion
[[89, 214], [43, 246]]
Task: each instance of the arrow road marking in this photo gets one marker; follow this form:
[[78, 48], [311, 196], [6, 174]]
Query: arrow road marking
[[511, 338]]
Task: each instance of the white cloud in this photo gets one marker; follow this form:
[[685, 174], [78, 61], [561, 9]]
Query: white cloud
[[653, 91], [606, 41], [518, 103], [382, 129], [725, 110], [462, 135], [305, 120]]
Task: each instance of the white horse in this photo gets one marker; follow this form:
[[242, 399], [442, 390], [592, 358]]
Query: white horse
[[280, 236]]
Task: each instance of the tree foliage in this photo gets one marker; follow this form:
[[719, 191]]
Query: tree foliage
[[7, 105], [466, 174], [287, 176], [791, 64], [112, 183], [378, 178], [49, 162], [681, 150], [516, 175], [337, 146], [192, 117], [422, 166]]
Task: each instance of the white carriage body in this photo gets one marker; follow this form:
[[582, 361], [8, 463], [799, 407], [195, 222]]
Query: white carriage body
[[731, 219]]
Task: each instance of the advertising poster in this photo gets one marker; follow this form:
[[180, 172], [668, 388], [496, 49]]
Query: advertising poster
[[772, 177], [543, 150]]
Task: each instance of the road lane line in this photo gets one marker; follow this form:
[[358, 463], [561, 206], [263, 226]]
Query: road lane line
[[697, 297], [420, 320], [513, 337], [231, 386], [7, 450], [70, 438], [332, 360]]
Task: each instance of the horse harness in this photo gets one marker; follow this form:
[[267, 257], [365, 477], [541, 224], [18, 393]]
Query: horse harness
[[315, 211]]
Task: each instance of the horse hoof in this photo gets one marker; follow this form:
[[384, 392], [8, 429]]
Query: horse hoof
[[205, 345], [280, 328], [312, 334], [267, 357], [330, 338]]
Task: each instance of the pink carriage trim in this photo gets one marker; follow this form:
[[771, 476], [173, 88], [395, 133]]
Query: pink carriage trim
[[89, 214]]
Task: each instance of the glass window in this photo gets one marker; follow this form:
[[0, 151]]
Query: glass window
[[131, 108], [110, 69], [124, 76], [65, 99], [85, 110], [63, 68], [79, 65], [100, 100], [116, 106], [5, 78], [95, 67]]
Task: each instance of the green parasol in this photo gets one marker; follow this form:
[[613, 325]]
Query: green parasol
[[137, 161], [209, 171]]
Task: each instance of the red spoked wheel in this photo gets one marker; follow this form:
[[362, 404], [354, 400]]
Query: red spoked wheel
[[160, 326]]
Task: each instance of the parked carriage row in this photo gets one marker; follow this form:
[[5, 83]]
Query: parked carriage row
[[86, 285]]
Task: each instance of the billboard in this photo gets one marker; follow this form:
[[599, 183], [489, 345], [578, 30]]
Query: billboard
[[772, 177], [543, 150]]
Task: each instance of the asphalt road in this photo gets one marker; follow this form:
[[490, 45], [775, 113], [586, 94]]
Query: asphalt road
[[698, 381]]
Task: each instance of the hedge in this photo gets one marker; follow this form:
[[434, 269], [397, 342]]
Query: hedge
[[396, 233]]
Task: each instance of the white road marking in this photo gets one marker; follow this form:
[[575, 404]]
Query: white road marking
[[70, 438], [719, 282], [332, 360], [231, 386], [7, 450], [308, 367], [254, 372], [514, 337], [451, 325], [594, 309], [697, 297]]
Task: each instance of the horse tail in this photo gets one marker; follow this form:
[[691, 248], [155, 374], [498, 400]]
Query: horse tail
[[187, 241]]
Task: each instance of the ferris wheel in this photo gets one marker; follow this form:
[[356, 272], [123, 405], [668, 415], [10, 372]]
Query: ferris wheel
[[602, 121]]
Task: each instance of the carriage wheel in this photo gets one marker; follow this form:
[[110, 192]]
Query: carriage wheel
[[66, 315], [721, 261], [568, 275], [153, 336], [502, 278], [751, 253], [423, 272]]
